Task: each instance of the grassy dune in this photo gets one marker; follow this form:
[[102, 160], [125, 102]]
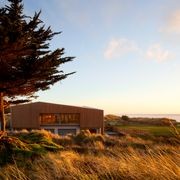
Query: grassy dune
[[89, 156], [152, 130], [154, 127]]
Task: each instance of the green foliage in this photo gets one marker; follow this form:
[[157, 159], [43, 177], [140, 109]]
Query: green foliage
[[145, 129], [66, 141], [27, 64], [85, 137], [26, 145], [125, 118], [40, 137], [37, 149], [12, 147]]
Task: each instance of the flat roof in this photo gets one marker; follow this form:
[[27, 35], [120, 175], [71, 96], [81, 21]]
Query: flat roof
[[39, 102]]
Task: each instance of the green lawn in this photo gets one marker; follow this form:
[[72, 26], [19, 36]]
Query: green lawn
[[154, 130]]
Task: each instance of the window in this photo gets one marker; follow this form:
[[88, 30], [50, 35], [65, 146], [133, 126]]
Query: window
[[49, 119], [60, 118], [66, 131], [73, 118]]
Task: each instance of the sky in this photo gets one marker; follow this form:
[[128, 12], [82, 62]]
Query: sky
[[127, 53]]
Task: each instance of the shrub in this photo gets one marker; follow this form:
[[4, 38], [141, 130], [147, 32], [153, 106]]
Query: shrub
[[26, 145], [125, 118], [85, 137]]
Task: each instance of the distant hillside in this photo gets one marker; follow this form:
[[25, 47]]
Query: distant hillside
[[125, 120], [111, 117]]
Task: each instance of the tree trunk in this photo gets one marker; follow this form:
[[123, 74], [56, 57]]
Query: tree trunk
[[2, 117]]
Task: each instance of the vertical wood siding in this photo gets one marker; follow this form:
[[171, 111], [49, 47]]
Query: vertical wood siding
[[27, 115]]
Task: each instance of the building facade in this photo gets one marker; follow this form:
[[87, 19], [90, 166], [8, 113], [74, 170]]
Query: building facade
[[57, 118]]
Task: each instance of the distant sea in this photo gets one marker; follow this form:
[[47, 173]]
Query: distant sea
[[170, 116]]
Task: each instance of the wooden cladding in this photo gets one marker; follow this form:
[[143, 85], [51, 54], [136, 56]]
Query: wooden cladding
[[34, 115]]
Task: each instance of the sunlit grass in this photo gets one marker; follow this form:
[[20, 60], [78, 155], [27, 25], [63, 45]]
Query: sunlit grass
[[91, 156], [153, 130]]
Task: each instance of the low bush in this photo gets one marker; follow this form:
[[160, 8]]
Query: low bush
[[25, 145], [87, 139]]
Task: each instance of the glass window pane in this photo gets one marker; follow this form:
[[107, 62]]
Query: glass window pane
[[62, 118], [49, 119], [71, 118], [66, 131]]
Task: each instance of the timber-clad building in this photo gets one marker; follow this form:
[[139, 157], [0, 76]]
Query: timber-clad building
[[57, 118]]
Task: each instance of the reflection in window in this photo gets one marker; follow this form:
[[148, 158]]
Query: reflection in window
[[61, 118], [70, 118], [49, 119]]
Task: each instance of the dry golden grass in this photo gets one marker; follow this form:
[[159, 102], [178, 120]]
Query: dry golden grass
[[127, 165], [96, 157]]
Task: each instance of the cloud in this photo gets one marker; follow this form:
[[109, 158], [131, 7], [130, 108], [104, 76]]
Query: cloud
[[122, 46], [119, 47], [173, 23], [156, 52]]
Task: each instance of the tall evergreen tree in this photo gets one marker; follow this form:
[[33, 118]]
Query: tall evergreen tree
[[27, 65]]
